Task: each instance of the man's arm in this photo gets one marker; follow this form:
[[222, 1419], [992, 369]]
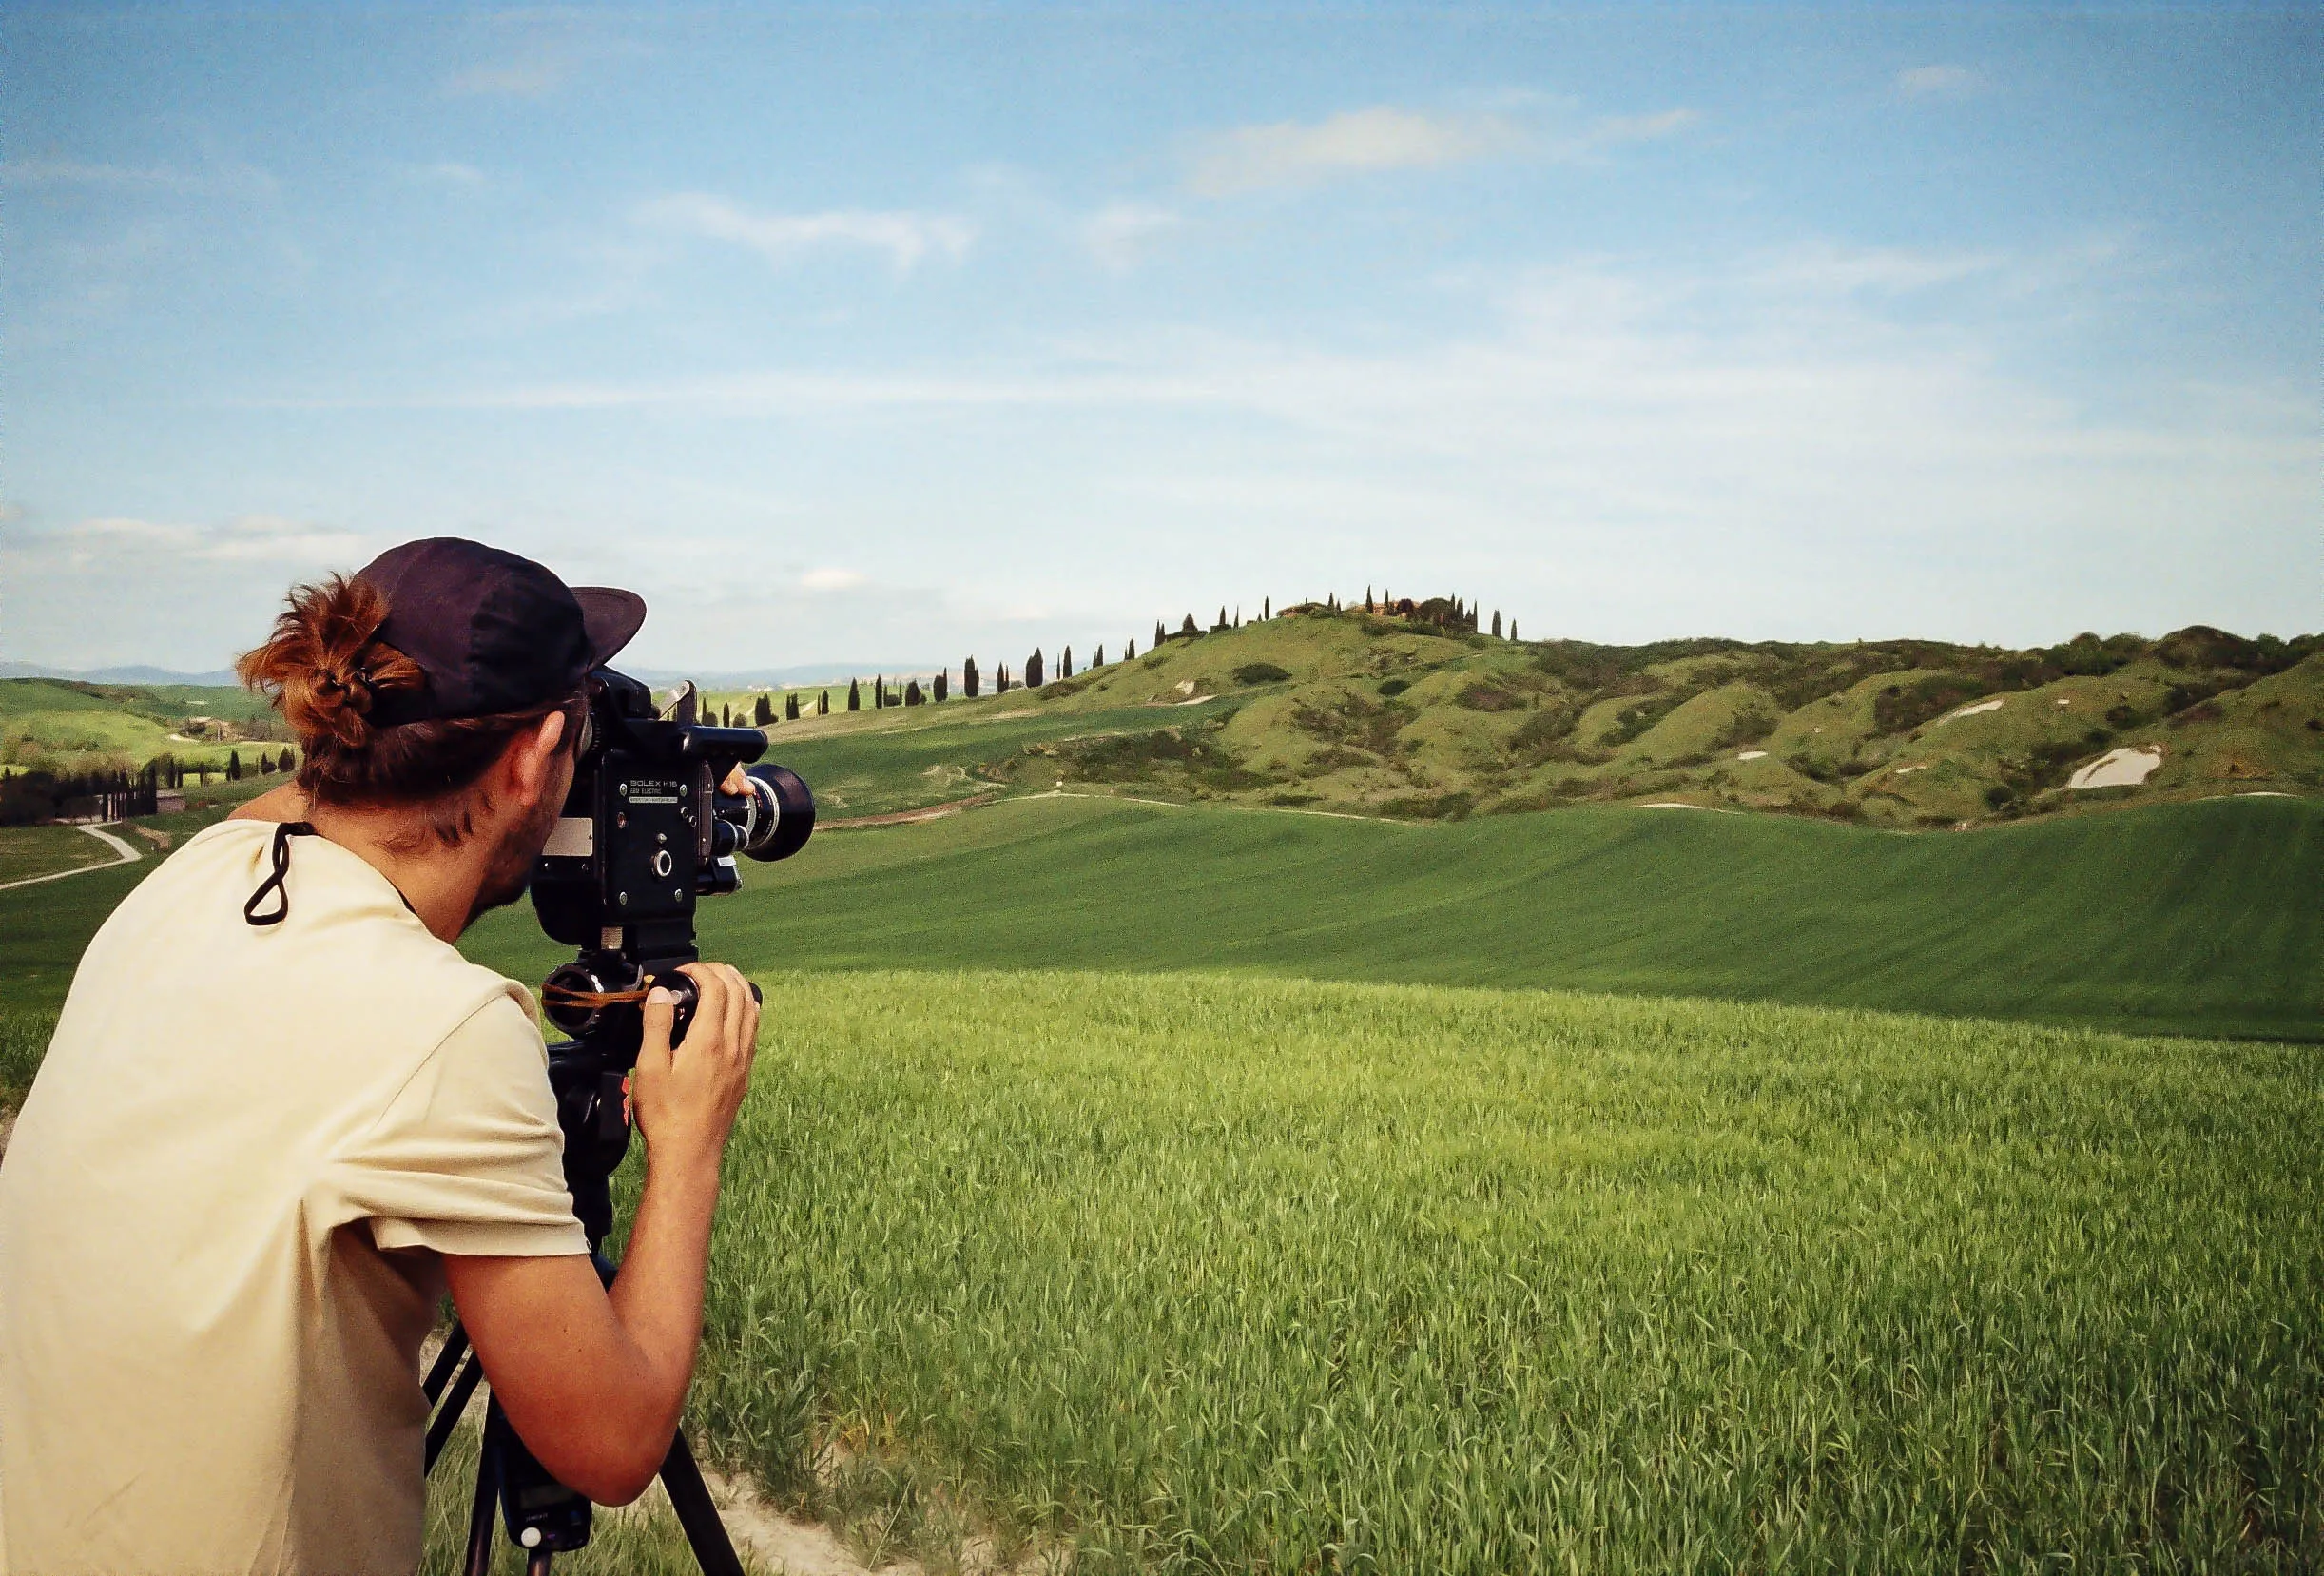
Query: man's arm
[[594, 1381]]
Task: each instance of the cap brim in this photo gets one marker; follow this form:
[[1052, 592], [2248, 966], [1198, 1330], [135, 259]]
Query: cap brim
[[611, 616]]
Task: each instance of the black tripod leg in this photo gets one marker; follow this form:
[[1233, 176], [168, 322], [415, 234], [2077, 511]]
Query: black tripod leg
[[480, 1514], [537, 1562], [455, 1347], [697, 1512], [448, 1415]]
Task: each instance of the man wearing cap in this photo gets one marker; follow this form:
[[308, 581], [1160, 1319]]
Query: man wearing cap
[[282, 1116]]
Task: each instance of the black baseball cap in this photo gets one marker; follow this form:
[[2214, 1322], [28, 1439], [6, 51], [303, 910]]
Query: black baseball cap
[[491, 631]]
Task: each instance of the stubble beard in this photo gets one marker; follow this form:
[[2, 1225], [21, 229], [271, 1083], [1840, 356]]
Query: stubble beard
[[510, 870]]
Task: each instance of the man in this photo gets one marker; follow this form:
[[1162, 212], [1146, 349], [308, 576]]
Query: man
[[281, 1115]]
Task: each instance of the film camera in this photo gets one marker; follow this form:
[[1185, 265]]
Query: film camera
[[661, 804], [649, 828]]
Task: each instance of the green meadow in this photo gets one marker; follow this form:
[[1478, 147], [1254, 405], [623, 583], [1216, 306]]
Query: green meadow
[[1202, 1273], [2193, 918], [1203, 1187]]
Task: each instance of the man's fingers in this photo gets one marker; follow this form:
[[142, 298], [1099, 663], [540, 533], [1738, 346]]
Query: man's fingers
[[738, 1014], [661, 1011], [710, 1005]]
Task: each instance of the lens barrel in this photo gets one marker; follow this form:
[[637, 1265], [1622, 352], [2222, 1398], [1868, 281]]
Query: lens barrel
[[780, 816]]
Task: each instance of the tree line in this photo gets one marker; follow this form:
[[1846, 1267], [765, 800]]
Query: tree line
[[1451, 614]]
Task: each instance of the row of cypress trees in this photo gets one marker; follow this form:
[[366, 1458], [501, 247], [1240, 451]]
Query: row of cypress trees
[[1449, 613]]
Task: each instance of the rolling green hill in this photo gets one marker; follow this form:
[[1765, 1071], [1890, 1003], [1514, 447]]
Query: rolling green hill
[[2195, 918], [66, 727], [1395, 717], [2192, 919]]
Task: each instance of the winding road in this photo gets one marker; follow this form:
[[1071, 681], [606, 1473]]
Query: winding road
[[123, 854]]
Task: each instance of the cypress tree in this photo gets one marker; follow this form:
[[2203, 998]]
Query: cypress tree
[[1033, 669], [1497, 623], [1367, 599], [855, 696], [822, 703], [1188, 628], [968, 678], [1222, 617], [1000, 680], [1159, 637], [911, 694], [762, 712], [1130, 649], [1097, 659], [1266, 609], [1065, 664], [943, 682], [790, 709], [1513, 629], [234, 765]]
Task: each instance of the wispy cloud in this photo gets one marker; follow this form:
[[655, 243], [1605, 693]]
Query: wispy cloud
[[246, 538], [1615, 130], [831, 579], [1939, 81], [223, 179], [1822, 267], [1288, 153], [531, 52], [1121, 232], [907, 237], [445, 172]]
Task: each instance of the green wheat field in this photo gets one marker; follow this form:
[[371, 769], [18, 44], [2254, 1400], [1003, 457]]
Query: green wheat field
[[1191, 1188]]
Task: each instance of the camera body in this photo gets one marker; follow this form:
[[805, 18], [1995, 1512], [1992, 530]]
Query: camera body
[[648, 827]]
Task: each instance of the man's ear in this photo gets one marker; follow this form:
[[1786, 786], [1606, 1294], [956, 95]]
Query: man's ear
[[529, 757]]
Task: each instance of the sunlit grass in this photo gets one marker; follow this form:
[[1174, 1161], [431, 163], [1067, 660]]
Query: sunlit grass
[[1227, 1273]]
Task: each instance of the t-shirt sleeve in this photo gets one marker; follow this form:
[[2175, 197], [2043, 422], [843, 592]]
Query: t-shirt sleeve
[[468, 1158]]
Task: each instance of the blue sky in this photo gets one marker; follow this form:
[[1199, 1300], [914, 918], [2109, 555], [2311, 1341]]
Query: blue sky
[[883, 335]]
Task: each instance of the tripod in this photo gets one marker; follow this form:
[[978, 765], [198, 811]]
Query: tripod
[[590, 1075]]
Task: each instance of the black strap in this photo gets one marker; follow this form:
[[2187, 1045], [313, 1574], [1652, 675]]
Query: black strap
[[274, 882]]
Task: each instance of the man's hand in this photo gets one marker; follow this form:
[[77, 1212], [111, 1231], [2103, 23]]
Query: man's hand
[[685, 1099]]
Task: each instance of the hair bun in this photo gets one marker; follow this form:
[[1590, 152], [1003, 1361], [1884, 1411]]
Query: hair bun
[[324, 666]]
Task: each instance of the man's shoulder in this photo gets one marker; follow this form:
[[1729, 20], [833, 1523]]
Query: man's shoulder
[[347, 944]]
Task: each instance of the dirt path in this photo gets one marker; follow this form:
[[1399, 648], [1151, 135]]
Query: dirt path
[[123, 854], [901, 818]]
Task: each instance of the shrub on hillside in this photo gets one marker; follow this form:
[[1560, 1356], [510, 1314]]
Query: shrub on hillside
[[1355, 720], [1261, 672], [1748, 726], [1632, 722], [1390, 688], [1481, 697], [1901, 708], [1456, 805]]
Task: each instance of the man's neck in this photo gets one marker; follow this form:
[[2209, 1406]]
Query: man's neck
[[439, 884]]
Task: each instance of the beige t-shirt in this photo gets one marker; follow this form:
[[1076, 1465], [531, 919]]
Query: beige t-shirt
[[221, 1214]]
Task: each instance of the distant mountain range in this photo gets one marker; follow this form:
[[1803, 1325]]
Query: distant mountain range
[[136, 673]]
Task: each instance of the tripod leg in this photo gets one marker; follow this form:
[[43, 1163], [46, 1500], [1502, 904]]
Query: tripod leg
[[480, 1514], [455, 1346], [448, 1415], [537, 1562], [697, 1512]]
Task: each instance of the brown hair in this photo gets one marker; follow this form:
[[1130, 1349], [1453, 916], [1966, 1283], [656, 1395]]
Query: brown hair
[[325, 668]]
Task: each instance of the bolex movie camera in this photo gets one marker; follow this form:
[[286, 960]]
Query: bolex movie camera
[[657, 814]]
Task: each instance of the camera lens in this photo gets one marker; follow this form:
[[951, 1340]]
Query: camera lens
[[782, 813]]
